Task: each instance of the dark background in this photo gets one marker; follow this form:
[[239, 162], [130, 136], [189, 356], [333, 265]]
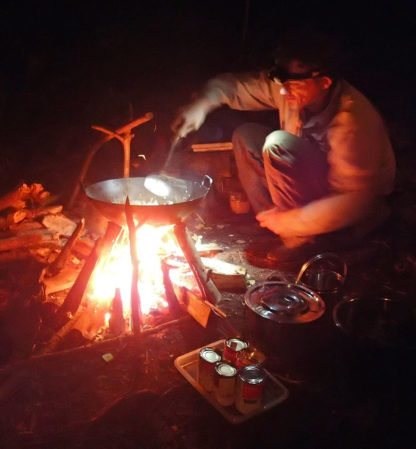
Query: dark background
[[68, 65]]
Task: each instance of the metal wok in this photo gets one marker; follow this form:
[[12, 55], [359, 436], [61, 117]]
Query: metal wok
[[177, 203]]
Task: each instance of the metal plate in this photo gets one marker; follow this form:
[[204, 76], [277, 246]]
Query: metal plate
[[284, 302]]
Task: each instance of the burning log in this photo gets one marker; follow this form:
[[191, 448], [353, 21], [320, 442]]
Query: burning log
[[63, 256], [207, 287], [111, 235], [75, 295], [135, 297], [171, 298], [100, 251], [82, 248]]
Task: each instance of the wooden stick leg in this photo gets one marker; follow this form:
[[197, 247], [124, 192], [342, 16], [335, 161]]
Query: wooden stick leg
[[135, 297]]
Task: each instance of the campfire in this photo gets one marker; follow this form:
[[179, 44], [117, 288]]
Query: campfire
[[163, 276], [137, 278], [143, 272], [129, 280]]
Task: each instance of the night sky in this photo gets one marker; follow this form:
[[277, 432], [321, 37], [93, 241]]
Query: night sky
[[67, 65]]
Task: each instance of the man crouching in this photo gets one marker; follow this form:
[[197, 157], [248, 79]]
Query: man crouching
[[327, 169]]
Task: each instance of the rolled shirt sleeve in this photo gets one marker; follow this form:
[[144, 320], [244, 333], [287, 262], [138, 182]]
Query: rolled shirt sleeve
[[246, 91]]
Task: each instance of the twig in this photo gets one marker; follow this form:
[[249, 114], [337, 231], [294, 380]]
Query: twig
[[125, 140], [97, 346]]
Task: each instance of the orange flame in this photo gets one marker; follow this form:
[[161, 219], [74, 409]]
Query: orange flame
[[153, 243]]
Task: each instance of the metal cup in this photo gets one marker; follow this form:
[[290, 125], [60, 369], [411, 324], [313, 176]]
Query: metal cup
[[324, 273]]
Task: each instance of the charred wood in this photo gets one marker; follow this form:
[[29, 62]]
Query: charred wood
[[111, 235], [172, 300], [99, 254], [75, 295], [63, 256]]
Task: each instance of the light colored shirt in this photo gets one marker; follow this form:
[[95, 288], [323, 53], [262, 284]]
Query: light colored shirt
[[349, 129]]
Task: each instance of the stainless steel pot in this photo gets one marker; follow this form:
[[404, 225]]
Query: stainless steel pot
[[282, 319]]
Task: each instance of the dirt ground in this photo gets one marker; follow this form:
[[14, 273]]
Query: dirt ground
[[75, 399]]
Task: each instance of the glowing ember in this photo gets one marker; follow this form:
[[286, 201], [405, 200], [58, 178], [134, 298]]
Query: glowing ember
[[153, 244]]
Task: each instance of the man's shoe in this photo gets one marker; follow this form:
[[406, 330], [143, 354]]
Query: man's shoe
[[282, 254], [273, 253]]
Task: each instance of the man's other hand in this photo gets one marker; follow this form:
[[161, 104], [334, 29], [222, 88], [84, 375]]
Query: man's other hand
[[283, 223], [270, 219]]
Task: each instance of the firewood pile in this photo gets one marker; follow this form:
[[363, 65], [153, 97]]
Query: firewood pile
[[42, 252]]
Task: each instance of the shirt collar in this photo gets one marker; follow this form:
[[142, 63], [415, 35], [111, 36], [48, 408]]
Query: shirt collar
[[323, 118]]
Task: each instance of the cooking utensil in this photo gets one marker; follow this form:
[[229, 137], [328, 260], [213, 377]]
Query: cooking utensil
[[377, 322], [164, 185], [109, 198], [325, 273], [283, 317]]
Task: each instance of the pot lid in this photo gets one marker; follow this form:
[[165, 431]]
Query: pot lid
[[284, 302]]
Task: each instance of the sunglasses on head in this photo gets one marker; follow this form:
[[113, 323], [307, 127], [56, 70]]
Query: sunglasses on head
[[280, 75]]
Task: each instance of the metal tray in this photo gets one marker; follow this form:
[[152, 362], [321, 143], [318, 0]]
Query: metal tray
[[274, 391]]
